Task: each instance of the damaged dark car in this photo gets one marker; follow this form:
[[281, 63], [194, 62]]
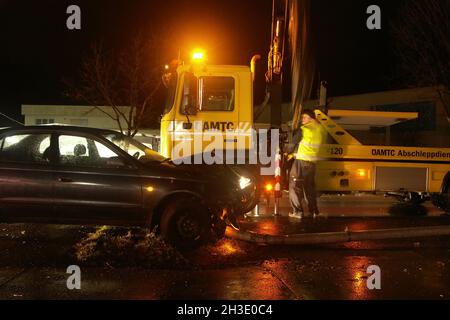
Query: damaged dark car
[[72, 175]]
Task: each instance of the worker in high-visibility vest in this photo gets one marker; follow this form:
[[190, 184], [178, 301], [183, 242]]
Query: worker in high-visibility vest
[[303, 171]]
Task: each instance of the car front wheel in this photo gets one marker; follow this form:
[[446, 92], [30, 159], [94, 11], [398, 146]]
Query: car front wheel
[[185, 223]]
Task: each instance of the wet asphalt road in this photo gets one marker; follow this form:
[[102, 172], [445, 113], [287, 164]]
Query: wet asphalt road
[[34, 258]]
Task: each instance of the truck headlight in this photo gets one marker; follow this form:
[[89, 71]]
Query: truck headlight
[[244, 182]]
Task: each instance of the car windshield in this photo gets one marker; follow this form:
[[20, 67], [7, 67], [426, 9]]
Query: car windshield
[[134, 148]]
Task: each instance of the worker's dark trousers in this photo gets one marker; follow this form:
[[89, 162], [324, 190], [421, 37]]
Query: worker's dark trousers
[[302, 184]]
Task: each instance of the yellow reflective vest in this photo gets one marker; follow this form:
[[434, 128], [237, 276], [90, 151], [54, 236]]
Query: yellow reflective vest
[[313, 137]]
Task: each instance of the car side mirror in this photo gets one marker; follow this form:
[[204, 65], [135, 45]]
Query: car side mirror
[[191, 84], [115, 162]]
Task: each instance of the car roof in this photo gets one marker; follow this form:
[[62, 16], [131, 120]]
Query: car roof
[[59, 128]]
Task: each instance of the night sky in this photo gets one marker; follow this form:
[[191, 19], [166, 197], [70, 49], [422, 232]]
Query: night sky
[[37, 50]]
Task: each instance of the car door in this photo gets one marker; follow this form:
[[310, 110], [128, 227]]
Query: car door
[[26, 179], [93, 183]]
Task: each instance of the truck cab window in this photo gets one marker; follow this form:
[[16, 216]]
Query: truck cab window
[[190, 88], [216, 93], [170, 82]]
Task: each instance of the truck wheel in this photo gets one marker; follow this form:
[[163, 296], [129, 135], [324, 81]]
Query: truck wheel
[[408, 209], [442, 200], [185, 223], [447, 202], [413, 198]]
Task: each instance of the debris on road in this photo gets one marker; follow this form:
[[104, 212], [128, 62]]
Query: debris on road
[[124, 247]]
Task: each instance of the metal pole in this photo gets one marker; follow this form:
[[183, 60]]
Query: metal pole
[[277, 192], [340, 237], [254, 213], [323, 105], [276, 211]]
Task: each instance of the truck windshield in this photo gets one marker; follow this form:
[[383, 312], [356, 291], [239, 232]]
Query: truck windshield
[[134, 148]]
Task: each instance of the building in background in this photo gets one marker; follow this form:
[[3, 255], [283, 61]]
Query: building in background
[[421, 117], [430, 127], [425, 121], [84, 116]]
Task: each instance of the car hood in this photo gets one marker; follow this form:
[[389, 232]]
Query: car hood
[[207, 174]]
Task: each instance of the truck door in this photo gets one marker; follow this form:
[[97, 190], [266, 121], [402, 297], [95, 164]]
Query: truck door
[[211, 122]]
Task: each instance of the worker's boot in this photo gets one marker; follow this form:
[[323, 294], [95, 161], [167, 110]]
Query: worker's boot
[[317, 215], [296, 215]]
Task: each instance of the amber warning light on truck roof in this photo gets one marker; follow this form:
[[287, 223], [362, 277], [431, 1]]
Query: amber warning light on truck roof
[[198, 56]]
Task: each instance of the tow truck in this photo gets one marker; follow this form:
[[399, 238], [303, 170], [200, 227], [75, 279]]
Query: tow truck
[[216, 101], [411, 174]]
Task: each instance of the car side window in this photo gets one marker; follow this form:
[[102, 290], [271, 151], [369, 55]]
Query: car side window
[[79, 151], [25, 148]]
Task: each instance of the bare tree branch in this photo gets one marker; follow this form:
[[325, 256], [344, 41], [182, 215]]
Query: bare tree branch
[[422, 35], [422, 40], [125, 80]]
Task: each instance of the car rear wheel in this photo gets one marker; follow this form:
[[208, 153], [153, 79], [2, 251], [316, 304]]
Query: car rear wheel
[[185, 223]]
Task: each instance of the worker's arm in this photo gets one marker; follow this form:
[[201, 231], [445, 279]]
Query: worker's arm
[[292, 146]]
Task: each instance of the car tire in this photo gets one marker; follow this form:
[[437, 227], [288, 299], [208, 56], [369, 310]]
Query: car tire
[[185, 223]]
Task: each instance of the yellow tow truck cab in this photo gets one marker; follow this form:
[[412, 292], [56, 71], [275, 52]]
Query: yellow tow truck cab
[[207, 100]]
